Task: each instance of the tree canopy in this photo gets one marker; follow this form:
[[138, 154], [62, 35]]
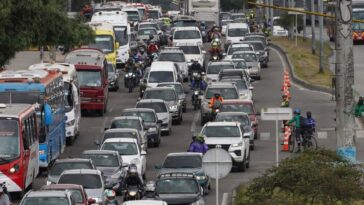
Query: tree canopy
[[313, 177], [36, 23]]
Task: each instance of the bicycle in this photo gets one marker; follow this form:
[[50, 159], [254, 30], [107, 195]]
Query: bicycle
[[308, 141]]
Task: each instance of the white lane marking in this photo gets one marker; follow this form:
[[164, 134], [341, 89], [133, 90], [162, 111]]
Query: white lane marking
[[294, 84], [225, 199], [328, 129], [322, 135], [195, 121], [264, 135]]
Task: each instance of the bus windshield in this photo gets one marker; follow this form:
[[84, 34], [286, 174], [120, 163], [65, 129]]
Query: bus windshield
[[21, 97], [9, 139], [104, 43], [358, 14], [88, 78], [121, 35]]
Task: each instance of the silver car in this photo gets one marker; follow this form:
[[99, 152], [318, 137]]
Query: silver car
[[180, 92], [162, 110], [48, 197], [214, 68], [252, 62], [169, 95], [144, 33], [92, 180], [124, 133]]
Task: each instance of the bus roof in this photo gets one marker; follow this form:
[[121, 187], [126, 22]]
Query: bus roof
[[86, 56], [100, 25], [15, 110], [113, 17], [29, 76], [68, 70]]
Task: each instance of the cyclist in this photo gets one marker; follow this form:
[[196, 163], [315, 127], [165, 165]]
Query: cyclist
[[297, 124], [310, 123]]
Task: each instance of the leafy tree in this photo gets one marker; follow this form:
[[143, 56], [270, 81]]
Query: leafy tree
[[286, 21], [313, 177], [25, 23]]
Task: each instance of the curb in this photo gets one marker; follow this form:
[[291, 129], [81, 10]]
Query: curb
[[293, 75]]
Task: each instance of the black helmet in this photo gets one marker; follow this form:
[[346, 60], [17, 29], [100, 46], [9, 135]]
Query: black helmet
[[308, 114], [217, 95], [130, 60], [151, 36]]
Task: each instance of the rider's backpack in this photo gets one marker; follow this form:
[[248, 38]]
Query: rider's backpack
[[303, 122]]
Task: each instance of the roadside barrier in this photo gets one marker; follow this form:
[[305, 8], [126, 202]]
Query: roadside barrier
[[287, 133]]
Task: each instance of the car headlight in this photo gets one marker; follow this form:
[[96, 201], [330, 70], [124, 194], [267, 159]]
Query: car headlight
[[196, 92], [48, 182], [135, 161], [203, 177], [70, 123], [116, 175], [237, 144], [173, 107], [152, 129], [132, 193]]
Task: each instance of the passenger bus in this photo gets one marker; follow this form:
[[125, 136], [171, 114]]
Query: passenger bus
[[71, 96], [19, 162], [358, 14], [45, 89], [91, 67], [142, 9]]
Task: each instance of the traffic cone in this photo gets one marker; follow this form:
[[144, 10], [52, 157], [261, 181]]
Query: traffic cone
[[286, 78], [287, 133], [287, 93]]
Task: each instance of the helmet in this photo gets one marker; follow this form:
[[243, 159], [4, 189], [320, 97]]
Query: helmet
[[132, 170], [130, 60], [308, 114], [110, 194], [151, 36], [200, 137], [152, 41], [217, 95], [297, 111], [141, 49]]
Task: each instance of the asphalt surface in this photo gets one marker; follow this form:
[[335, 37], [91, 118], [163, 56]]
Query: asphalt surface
[[266, 94]]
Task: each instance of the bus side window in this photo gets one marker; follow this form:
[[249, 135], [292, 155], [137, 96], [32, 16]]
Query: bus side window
[[24, 136]]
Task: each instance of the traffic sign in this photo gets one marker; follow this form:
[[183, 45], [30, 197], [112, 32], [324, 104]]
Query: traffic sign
[[276, 113], [217, 163]]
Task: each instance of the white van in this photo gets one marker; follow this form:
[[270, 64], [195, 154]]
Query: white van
[[119, 21], [71, 94], [235, 32], [191, 35], [277, 29], [162, 72]]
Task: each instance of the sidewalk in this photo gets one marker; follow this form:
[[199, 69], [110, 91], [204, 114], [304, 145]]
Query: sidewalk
[[24, 59]]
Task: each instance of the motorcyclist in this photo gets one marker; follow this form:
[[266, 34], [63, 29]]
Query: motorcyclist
[[142, 55], [216, 47], [87, 11], [110, 198], [151, 38], [285, 101], [216, 101], [297, 125], [153, 47], [196, 67], [132, 178], [359, 107], [198, 145], [215, 33], [142, 87], [130, 66]]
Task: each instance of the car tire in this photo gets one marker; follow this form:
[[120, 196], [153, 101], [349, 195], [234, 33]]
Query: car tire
[[252, 147], [242, 165], [248, 161], [184, 109], [156, 144]]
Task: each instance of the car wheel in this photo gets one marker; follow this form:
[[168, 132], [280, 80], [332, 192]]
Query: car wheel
[[242, 165], [248, 161], [184, 109], [252, 146], [156, 144]]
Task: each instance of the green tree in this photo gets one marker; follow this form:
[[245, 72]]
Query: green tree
[[25, 23], [313, 177]]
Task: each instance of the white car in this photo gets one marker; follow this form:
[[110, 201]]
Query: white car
[[224, 24], [174, 54], [237, 47], [144, 202], [235, 32], [129, 150], [192, 52], [230, 136], [187, 35], [277, 29], [163, 72]]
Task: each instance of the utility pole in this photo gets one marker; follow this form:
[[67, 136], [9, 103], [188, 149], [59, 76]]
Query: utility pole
[[267, 12], [304, 21], [321, 23], [344, 71], [313, 27], [271, 10]]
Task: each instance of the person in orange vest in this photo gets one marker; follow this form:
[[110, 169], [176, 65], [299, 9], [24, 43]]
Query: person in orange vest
[[216, 101]]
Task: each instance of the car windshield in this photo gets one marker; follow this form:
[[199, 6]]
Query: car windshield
[[177, 87], [103, 160], [109, 135], [234, 49], [188, 34], [242, 119], [224, 23], [77, 194], [194, 50], [237, 32], [158, 107], [184, 23], [58, 168], [248, 57], [146, 116], [124, 148], [177, 186], [9, 138], [257, 46], [174, 57], [126, 123], [255, 38], [247, 108], [226, 93], [358, 14], [237, 16], [216, 69], [182, 162], [153, 14], [88, 181], [149, 25], [241, 85], [121, 35], [240, 64], [132, 16], [104, 43], [45, 200], [160, 76], [146, 32], [88, 78], [221, 131], [166, 95]]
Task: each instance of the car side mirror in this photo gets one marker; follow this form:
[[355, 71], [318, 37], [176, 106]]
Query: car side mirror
[[158, 166], [123, 165], [106, 128], [251, 88], [143, 152], [97, 142], [246, 137], [249, 67], [117, 44], [159, 121]]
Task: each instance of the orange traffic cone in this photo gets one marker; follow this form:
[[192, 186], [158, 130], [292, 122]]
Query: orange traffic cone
[[286, 78], [287, 133]]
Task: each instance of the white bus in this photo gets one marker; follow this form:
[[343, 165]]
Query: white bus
[[71, 94], [205, 10]]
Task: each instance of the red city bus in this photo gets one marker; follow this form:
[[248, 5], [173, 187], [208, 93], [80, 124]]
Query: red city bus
[[92, 74], [19, 142]]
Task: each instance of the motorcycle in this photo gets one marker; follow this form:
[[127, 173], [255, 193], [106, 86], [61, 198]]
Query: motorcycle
[[215, 57], [204, 36], [130, 81], [215, 109], [196, 101], [132, 193]]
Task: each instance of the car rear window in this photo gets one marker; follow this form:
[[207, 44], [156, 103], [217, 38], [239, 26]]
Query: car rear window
[[221, 131], [158, 107], [88, 181], [226, 93], [247, 108], [58, 168]]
